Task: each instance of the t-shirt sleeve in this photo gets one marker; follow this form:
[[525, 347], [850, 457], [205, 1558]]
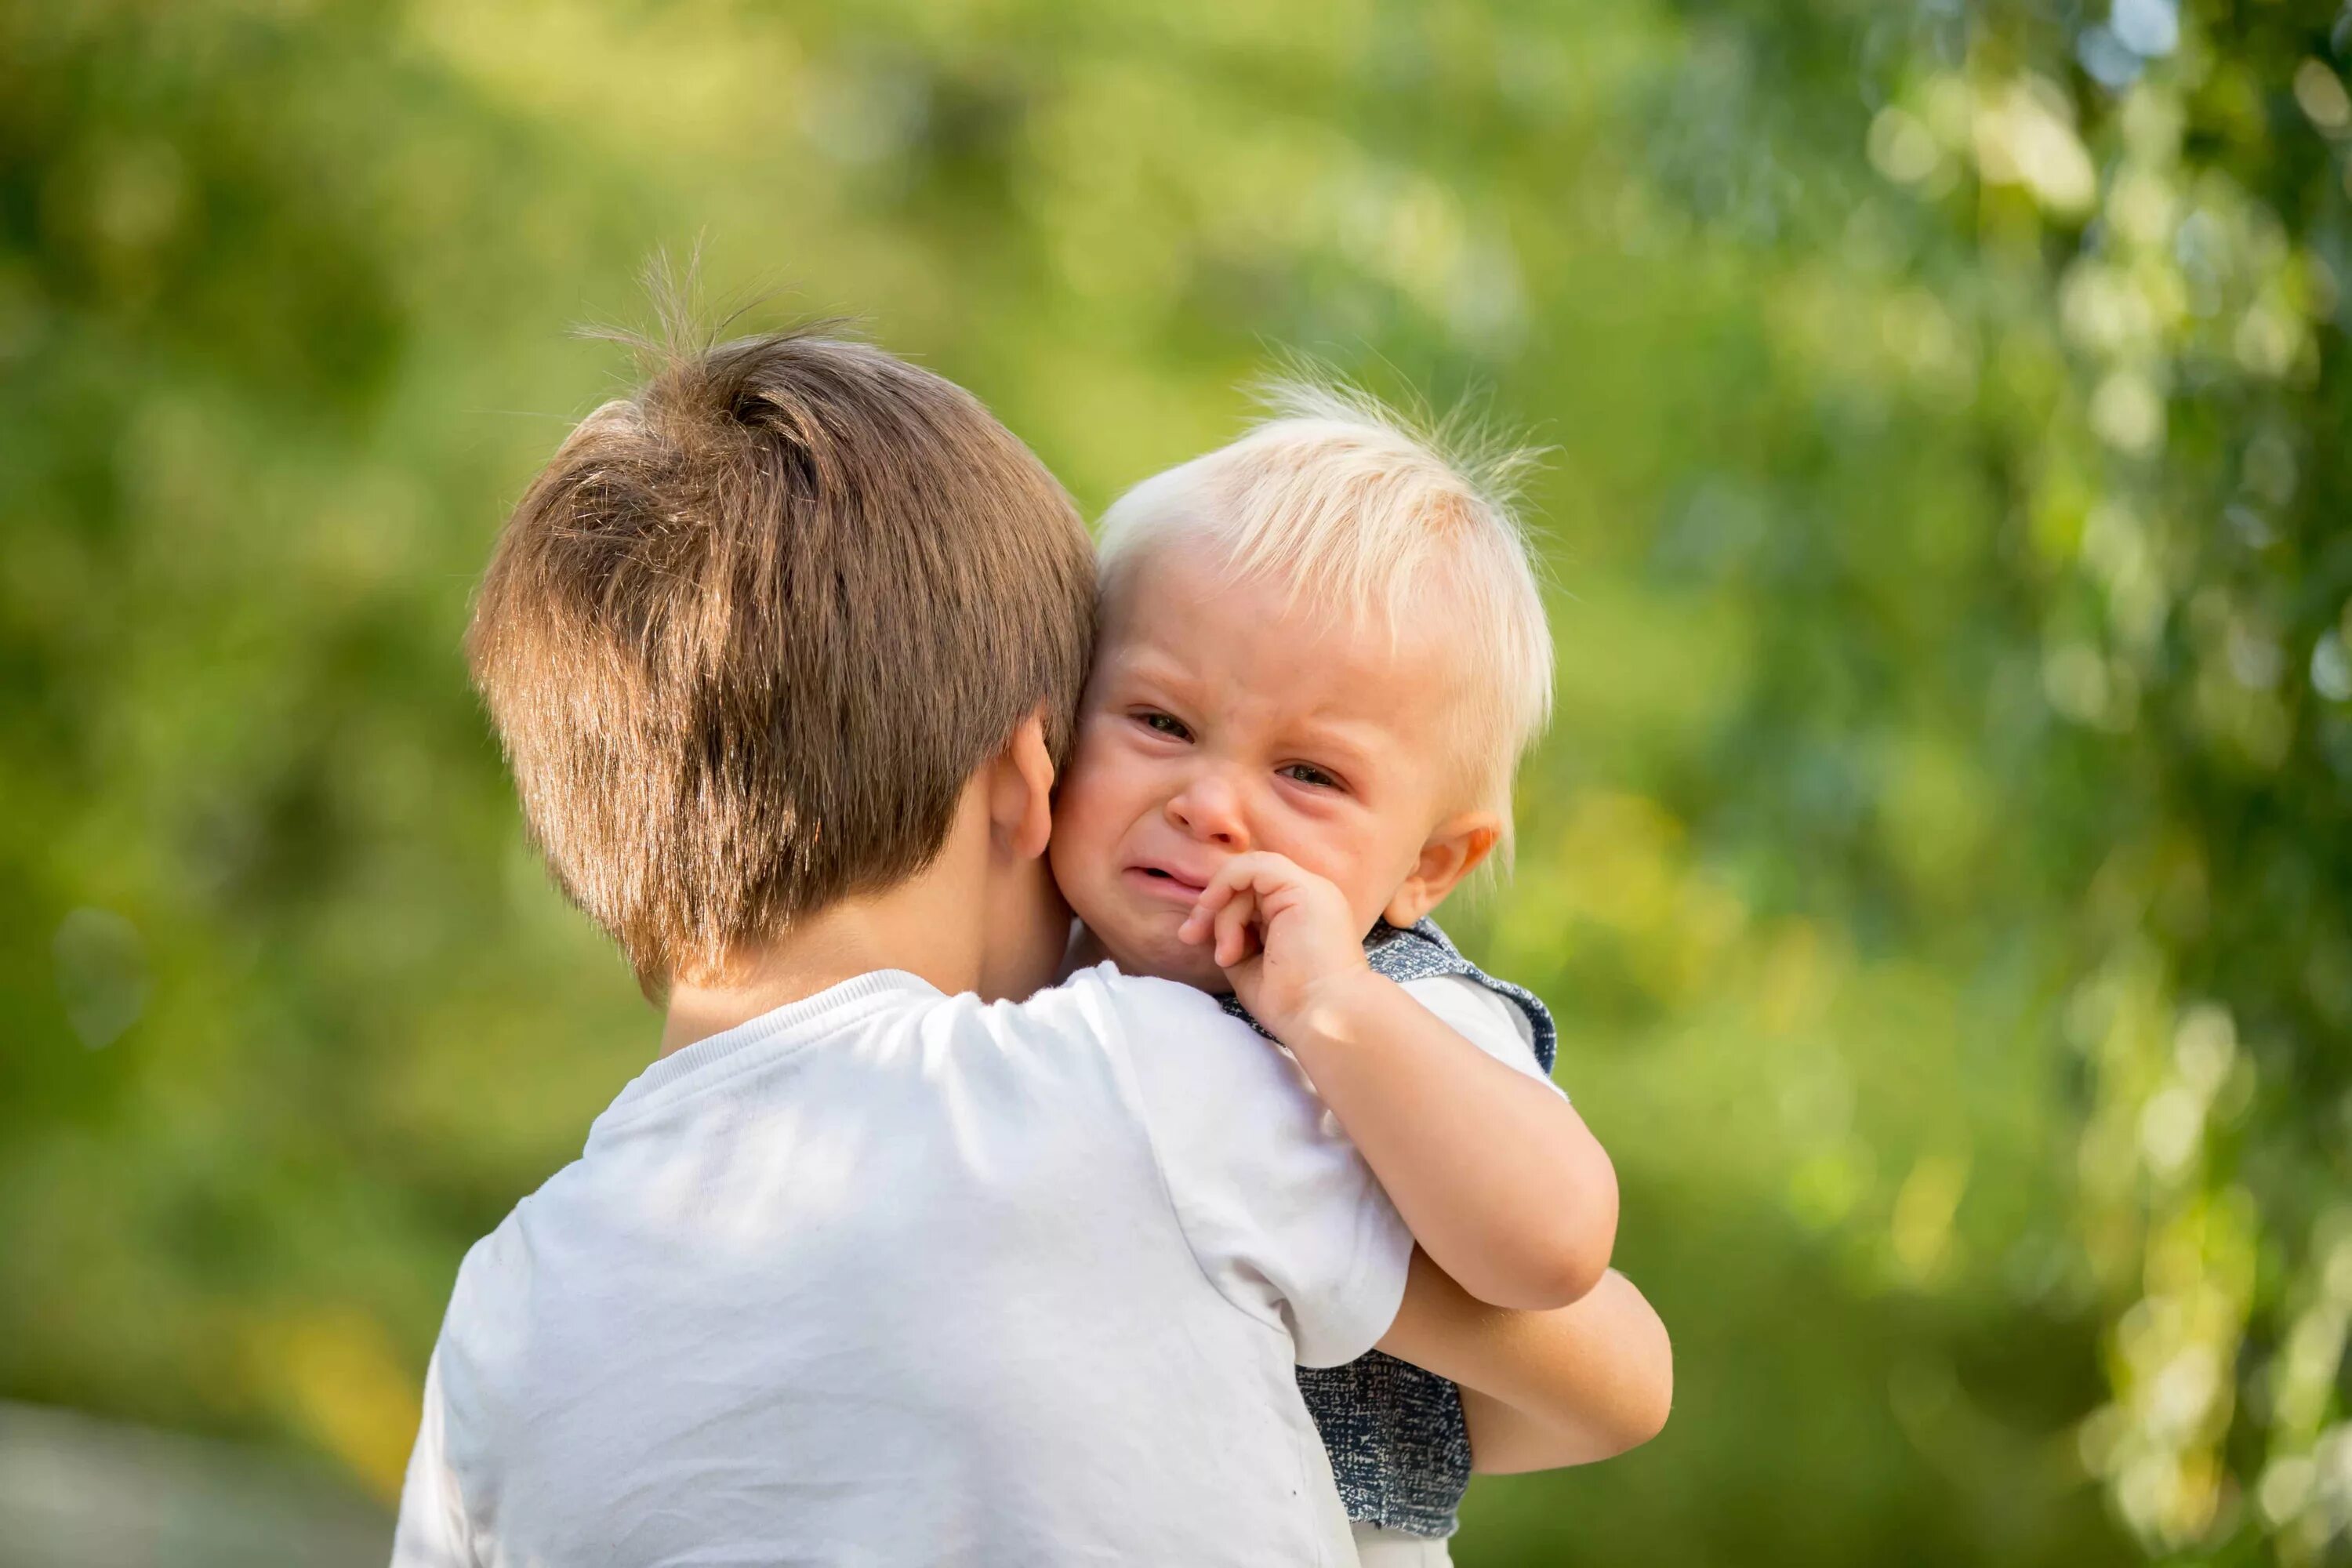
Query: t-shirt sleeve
[[1282, 1213], [432, 1532], [1493, 1024]]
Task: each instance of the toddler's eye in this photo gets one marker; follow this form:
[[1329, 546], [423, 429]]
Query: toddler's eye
[[1164, 723], [1308, 773]]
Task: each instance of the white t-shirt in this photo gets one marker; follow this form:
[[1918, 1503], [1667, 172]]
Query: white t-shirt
[[890, 1277], [1487, 1020]]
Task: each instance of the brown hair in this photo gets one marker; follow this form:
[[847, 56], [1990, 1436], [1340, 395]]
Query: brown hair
[[754, 627]]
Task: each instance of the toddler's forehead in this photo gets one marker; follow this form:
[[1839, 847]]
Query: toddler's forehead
[[1282, 644], [1175, 591]]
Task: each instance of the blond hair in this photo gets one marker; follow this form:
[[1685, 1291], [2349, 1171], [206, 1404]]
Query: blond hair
[[748, 636], [1344, 501]]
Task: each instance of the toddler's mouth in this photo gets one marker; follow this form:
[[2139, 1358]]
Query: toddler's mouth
[[1164, 883]]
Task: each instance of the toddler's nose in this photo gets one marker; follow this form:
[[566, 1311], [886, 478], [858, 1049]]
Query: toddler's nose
[[1209, 810]]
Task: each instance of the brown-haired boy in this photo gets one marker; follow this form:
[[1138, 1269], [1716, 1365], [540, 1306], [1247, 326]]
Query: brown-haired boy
[[784, 651]]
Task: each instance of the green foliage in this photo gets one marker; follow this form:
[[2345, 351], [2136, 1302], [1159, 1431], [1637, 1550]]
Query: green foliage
[[1938, 865]]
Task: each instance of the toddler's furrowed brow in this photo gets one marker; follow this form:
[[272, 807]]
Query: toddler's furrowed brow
[[1348, 747], [1135, 672]]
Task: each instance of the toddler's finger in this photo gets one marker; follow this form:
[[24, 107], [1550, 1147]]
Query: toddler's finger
[[1214, 927], [1207, 903], [1233, 930]]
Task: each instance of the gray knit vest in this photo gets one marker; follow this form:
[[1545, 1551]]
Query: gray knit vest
[[1399, 1448]]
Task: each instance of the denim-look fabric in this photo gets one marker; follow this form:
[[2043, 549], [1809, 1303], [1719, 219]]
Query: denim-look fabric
[[1399, 1448]]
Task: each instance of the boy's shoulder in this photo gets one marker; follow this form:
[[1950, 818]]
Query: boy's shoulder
[[1180, 1045], [1105, 997]]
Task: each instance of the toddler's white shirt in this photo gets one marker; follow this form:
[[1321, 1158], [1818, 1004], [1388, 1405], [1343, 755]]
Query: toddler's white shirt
[[891, 1276]]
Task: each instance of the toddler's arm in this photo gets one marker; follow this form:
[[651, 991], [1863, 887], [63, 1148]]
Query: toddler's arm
[[1540, 1390], [1497, 1177]]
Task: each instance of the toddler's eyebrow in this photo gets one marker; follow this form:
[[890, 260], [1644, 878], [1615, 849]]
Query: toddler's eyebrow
[[1336, 740], [1149, 667]]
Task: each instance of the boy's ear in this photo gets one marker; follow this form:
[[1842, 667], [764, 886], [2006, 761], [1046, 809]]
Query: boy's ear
[[1021, 791], [1455, 850]]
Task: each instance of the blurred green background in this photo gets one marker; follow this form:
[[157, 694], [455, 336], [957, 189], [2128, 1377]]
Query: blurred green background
[[1940, 863]]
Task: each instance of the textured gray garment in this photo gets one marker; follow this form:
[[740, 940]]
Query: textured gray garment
[[1399, 1448]]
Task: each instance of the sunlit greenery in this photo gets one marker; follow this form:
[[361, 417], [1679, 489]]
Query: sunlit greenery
[[1940, 865]]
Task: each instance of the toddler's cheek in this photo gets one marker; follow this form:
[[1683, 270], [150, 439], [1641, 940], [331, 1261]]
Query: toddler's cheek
[[1073, 823], [1061, 858], [1083, 818], [1074, 859]]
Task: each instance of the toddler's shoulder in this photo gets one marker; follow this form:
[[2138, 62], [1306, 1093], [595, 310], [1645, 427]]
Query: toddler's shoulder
[[1424, 961]]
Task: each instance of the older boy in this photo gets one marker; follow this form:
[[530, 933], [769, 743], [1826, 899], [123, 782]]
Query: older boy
[[784, 651]]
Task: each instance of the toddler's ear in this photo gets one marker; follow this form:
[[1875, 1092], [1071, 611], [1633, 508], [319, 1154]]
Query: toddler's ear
[[1453, 852]]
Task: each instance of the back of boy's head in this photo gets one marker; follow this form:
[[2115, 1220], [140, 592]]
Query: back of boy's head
[[1348, 504], [754, 627]]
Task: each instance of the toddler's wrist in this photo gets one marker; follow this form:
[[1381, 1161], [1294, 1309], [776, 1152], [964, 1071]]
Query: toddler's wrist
[[1335, 1010]]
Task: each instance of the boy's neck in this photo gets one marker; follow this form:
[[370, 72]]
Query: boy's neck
[[983, 914], [838, 946], [923, 926]]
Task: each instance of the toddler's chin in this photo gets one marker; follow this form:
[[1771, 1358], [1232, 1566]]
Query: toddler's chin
[[1164, 957]]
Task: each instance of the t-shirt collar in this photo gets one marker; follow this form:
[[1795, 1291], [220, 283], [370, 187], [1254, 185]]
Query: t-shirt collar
[[809, 1016]]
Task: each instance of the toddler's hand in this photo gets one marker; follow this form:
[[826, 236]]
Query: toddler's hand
[[1283, 936]]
